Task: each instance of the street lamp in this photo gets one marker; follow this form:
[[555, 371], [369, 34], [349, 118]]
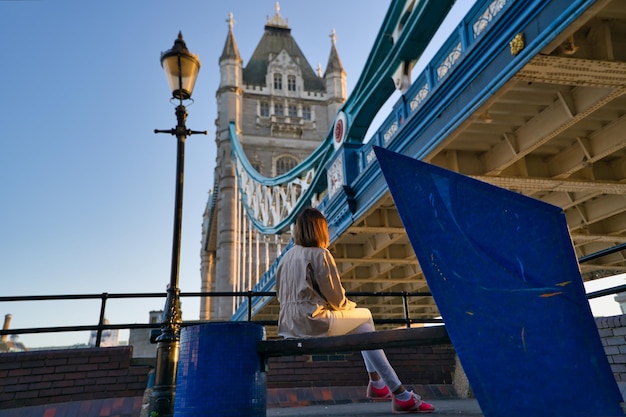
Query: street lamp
[[181, 69]]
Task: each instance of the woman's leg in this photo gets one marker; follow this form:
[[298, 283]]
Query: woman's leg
[[348, 321], [378, 362], [377, 365], [360, 320]]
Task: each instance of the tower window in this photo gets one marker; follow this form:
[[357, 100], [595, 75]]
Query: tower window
[[279, 110], [291, 83], [278, 81], [293, 111], [306, 113], [285, 164], [264, 109]]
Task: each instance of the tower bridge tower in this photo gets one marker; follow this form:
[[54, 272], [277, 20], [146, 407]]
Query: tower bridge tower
[[282, 110]]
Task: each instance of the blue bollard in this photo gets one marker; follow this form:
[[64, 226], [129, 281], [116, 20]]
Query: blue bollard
[[219, 371]]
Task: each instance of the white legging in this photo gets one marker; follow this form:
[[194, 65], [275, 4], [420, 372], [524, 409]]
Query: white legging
[[359, 320]]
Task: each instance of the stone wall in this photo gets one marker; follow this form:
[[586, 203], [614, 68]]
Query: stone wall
[[73, 375], [613, 334], [420, 365], [56, 376]]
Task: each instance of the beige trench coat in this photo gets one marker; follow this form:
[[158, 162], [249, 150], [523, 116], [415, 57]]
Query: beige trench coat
[[308, 285]]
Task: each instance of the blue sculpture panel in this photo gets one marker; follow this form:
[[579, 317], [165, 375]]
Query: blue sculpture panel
[[504, 275]]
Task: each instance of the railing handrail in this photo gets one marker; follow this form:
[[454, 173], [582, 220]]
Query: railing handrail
[[407, 320], [607, 291], [104, 297]]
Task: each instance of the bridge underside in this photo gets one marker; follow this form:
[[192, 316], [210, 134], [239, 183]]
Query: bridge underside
[[555, 130]]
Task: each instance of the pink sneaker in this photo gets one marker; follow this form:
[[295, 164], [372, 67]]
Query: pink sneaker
[[412, 405], [378, 394]]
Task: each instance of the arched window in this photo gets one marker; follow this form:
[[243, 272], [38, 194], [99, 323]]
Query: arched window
[[285, 164]]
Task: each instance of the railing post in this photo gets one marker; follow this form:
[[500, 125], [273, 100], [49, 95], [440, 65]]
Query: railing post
[[249, 295], [405, 305], [104, 297]]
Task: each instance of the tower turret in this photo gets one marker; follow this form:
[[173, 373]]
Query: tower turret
[[229, 109], [229, 91], [335, 79], [282, 111]]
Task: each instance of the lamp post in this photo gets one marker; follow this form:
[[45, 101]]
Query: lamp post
[[181, 69]]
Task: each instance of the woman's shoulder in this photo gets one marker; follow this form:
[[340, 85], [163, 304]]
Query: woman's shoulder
[[308, 251]]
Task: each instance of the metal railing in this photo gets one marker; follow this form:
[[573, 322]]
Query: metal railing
[[249, 295], [104, 297]]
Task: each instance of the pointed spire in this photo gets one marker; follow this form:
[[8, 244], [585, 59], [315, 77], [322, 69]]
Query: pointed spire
[[277, 20], [334, 63], [231, 21], [230, 46]]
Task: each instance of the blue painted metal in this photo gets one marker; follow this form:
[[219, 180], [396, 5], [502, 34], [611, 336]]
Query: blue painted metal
[[339, 206], [433, 106], [484, 67], [477, 63], [367, 184], [375, 85], [371, 91], [503, 272], [312, 160], [219, 371], [316, 160], [267, 283]]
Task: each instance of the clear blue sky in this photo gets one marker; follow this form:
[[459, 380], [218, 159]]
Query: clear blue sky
[[87, 187]]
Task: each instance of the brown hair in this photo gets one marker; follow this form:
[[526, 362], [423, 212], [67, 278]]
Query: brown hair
[[311, 229]]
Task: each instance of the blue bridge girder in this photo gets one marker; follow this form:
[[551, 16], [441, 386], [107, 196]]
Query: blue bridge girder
[[528, 95], [406, 31]]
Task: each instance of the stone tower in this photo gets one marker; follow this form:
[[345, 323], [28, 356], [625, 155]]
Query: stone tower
[[282, 110]]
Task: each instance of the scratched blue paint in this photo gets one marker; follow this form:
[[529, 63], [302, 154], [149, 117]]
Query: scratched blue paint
[[503, 272]]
